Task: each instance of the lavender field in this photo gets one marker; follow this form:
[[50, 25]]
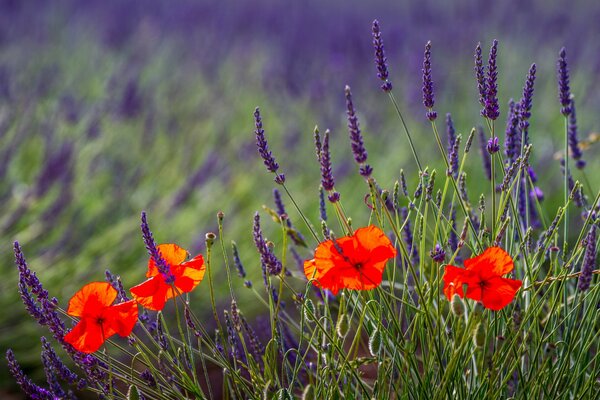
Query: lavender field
[[110, 108]]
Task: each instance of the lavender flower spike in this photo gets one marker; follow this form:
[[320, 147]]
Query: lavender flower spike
[[487, 164], [263, 148], [428, 97], [29, 388], [589, 260], [572, 137], [480, 76], [380, 60], [326, 175], [492, 109], [161, 264], [564, 91], [512, 139], [492, 145], [526, 103], [452, 147], [358, 147], [268, 260]]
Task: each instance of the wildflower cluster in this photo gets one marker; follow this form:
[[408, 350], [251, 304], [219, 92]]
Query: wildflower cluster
[[376, 306]]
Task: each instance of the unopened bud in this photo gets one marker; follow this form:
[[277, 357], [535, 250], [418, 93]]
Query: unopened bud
[[210, 239], [342, 326], [375, 342], [309, 310], [479, 337], [457, 305], [478, 310]]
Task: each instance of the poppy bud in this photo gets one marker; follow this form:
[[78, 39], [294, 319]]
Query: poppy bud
[[342, 326], [457, 305], [478, 310], [479, 337], [308, 393], [309, 310], [375, 342], [132, 393], [220, 216], [210, 239]]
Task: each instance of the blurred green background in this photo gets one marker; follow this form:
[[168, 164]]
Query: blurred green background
[[108, 108]]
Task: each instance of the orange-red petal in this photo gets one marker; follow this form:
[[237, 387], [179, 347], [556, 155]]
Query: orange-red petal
[[189, 274], [91, 298], [171, 253], [120, 318], [151, 294], [454, 278], [494, 261], [86, 336], [499, 292]]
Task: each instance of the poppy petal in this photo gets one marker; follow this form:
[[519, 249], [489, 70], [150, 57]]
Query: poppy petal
[[372, 239], [86, 336], [189, 274], [499, 292], [494, 261], [454, 278], [151, 294], [91, 298], [171, 253], [121, 318]]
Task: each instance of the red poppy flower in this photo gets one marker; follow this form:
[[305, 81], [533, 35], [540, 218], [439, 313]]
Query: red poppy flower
[[483, 276], [154, 292], [99, 319], [359, 265]]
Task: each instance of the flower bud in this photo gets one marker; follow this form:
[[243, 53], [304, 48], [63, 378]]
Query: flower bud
[[375, 342], [342, 326], [479, 337], [309, 310], [210, 239], [478, 310], [457, 305]]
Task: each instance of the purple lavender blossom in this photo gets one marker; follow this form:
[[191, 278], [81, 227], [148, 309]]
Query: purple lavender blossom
[[30, 389], [322, 208], [452, 147], [326, 174], [480, 76], [536, 193], [564, 91], [408, 237], [116, 283], [269, 262], [512, 141], [572, 137], [487, 165], [589, 261], [237, 262], [524, 109], [162, 266], [453, 237], [428, 96], [380, 59], [58, 366], [492, 145], [147, 377], [263, 148], [438, 254], [492, 109], [358, 147]]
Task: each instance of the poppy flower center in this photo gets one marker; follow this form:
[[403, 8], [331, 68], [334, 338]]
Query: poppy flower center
[[358, 265], [99, 320]]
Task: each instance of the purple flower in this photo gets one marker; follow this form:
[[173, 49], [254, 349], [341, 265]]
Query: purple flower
[[438, 254], [380, 60], [326, 174], [487, 166], [116, 283], [480, 76], [524, 109], [512, 141], [536, 193], [30, 389], [269, 262], [58, 366], [589, 261], [492, 145], [358, 147], [263, 148], [161, 264], [572, 137], [564, 91], [408, 237], [237, 262], [428, 97], [452, 146], [492, 109], [322, 208]]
